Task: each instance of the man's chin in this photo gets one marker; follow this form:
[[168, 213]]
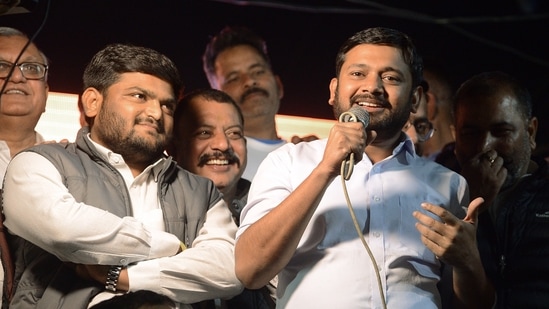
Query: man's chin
[[220, 182]]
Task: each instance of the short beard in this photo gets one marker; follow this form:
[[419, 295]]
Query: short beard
[[518, 167], [132, 148], [386, 126], [136, 150]]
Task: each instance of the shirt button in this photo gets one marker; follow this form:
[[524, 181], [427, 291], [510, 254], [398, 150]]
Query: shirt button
[[376, 234], [236, 206], [123, 261], [377, 198]]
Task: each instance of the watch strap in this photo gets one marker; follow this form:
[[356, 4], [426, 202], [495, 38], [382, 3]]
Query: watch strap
[[112, 278]]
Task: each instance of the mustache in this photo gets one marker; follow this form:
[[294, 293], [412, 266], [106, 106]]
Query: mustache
[[228, 155], [253, 90], [158, 123]]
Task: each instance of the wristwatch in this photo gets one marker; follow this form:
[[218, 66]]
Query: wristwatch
[[112, 278]]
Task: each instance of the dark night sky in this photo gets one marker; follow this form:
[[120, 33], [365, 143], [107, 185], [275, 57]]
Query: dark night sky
[[302, 37]]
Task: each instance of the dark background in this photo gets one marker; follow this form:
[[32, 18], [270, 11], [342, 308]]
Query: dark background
[[460, 37]]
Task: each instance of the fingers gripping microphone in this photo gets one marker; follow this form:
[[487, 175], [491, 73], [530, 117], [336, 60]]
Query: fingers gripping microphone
[[354, 114]]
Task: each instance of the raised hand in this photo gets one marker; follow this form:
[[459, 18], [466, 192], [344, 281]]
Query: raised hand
[[485, 175], [345, 138], [451, 240]]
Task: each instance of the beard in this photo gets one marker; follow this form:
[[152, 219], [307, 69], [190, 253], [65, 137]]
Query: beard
[[517, 163], [387, 124], [133, 148]]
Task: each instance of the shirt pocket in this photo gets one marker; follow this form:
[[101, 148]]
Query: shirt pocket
[[410, 244]]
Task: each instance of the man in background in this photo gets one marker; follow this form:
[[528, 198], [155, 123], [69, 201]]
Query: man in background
[[236, 61], [495, 137], [23, 96], [418, 127], [209, 141], [439, 112]]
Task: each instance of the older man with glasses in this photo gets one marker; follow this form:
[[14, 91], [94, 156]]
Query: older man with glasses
[[23, 95]]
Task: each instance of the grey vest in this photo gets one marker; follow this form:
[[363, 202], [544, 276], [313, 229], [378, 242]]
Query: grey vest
[[42, 280]]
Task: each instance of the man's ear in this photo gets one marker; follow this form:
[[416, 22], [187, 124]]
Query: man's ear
[[92, 100], [280, 87], [416, 98], [333, 88]]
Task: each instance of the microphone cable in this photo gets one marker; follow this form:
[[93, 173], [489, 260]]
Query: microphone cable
[[345, 176], [31, 39], [347, 167]]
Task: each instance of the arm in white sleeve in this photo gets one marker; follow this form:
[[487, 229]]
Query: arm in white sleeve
[[39, 208], [204, 271]]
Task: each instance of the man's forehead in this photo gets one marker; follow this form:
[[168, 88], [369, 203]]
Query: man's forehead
[[379, 57], [497, 109], [240, 57], [212, 106], [16, 43]]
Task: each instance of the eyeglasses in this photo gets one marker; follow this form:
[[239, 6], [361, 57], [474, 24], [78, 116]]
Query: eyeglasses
[[424, 128], [30, 70]]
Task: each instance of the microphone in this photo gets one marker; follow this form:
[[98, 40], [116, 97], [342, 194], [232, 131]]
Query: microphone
[[354, 114]]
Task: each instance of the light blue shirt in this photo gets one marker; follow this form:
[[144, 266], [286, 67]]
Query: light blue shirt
[[257, 151], [331, 268]]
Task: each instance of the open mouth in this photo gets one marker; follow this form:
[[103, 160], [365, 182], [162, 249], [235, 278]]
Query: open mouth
[[15, 91], [368, 104], [217, 162]]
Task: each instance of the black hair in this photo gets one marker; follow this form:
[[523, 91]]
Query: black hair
[[106, 66], [227, 38], [487, 84]]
